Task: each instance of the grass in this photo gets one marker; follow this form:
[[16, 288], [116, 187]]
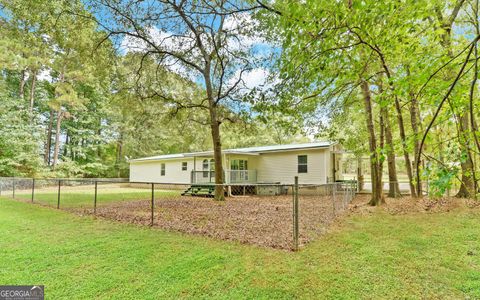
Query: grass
[[84, 196], [367, 256]]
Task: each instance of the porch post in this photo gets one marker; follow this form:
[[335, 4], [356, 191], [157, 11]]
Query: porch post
[[226, 174], [334, 170], [194, 174]]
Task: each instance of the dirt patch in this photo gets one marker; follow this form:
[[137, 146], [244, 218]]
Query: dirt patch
[[407, 204], [264, 221]]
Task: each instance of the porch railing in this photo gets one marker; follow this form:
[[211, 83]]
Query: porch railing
[[202, 177], [241, 176], [231, 176]]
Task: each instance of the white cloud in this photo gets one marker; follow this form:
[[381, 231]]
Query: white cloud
[[242, 29], [259, 78], [255, 78], [44, 75]]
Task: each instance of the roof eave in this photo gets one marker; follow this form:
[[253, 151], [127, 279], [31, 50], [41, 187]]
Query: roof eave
[[253, 153], [294, 149]]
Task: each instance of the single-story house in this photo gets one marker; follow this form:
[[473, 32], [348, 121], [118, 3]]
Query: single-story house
[[313, 163]]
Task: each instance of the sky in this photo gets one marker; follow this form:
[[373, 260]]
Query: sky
[[164, 34]]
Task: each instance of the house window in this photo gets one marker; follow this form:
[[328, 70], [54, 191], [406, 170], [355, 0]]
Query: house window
[[212, 165], [205, 167], [239, 164], [184, 166], [162, 170], [302, 164], [238, 170]]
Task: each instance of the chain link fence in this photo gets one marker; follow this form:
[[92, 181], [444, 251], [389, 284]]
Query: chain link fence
[[285, 216]]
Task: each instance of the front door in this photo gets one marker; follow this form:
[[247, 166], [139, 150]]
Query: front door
[[239, 171]]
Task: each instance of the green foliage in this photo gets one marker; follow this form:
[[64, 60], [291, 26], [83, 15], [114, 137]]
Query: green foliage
[[440, 180], [18, 140], [406, 52], [114, 106], [110, 110]]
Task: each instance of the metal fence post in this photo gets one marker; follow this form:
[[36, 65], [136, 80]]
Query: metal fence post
[[33, 188], [334, 188], [295, 214], [13, 188], [350, 192], [95, 198], [58, 197], [152, 204], [428, 186]]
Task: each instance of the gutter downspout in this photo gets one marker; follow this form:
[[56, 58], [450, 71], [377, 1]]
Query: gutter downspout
[[227, 175]]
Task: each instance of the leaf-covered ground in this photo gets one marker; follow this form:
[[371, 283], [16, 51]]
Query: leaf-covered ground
[[374, 255], [263, 221], [259, 220]]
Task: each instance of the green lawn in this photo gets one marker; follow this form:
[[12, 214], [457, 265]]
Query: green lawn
[[82, 197], [372, 256]]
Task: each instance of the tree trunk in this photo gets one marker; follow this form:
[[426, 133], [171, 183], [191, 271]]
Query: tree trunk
[[72, 142], [403, 137], [467, 184], [359, 174], [56, 148], [97, 142], [393, 185], [474, 132], [217, 156], [32, 93], [217, 144], [57, 138], [119, 155], [401, 127], [467, 187], [377, 198], [473, 126], [67, 142], [382, 138], [415, 121], [21, 88], [48, 144]]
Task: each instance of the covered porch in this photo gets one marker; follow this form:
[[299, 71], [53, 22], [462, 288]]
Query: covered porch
[[238, 168]]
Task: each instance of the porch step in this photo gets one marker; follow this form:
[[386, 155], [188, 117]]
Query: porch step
[[200, 191]]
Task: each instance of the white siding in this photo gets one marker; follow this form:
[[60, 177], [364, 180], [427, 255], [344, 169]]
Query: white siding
[[150, 171], [283, 166], [271, 167]]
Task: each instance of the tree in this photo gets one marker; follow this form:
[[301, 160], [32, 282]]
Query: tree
[[331, 49], [209, 42], [446, 23], [74, 39], [336, 49], [375, 162]]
